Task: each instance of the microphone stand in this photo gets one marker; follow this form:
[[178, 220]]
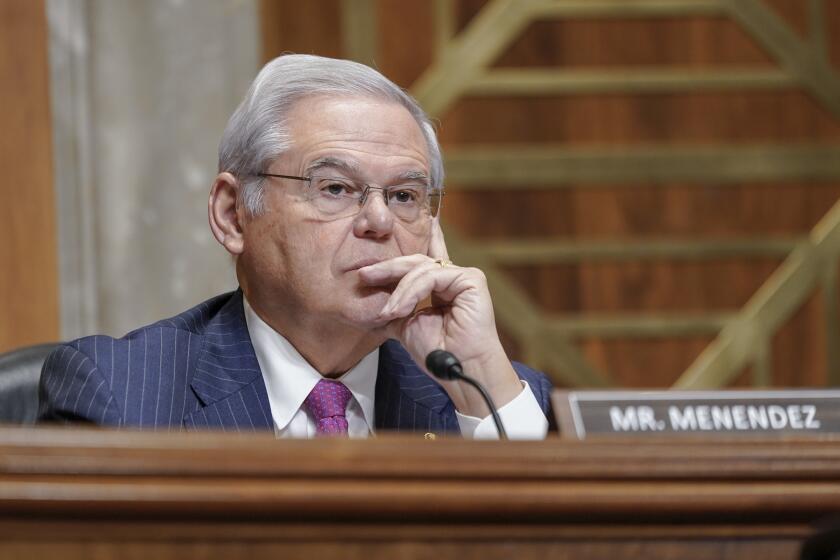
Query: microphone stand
[[444, 365]]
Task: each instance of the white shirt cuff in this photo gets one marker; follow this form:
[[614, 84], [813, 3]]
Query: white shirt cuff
[[522, 418]]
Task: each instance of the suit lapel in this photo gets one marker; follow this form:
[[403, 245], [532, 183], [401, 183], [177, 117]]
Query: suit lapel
[[406, 398], [229, 385], [227, 378]]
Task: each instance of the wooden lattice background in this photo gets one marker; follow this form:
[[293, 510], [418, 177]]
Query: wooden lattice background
[[648, 184]]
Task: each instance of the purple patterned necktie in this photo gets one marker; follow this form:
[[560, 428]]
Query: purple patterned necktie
[[327, 403]]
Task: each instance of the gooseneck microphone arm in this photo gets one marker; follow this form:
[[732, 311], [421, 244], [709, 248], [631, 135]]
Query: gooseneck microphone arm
[[444, 365]]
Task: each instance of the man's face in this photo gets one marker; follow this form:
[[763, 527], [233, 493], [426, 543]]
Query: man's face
[[302, 264]]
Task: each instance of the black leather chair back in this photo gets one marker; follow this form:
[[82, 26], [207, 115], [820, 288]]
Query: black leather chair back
[[20, 371], [825, 543]]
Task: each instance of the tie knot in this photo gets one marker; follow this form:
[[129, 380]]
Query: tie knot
[[327, 402]]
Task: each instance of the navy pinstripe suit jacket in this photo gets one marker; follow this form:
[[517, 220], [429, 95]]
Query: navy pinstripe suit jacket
[[198, 370]]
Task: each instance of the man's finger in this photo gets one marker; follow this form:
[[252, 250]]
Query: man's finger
[[411, 289], [443, 284], [437, 245], [386, 272]]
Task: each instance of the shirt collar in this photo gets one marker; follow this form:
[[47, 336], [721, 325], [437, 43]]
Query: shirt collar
[[289, 378]]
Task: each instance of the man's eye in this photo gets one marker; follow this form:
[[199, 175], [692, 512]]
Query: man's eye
[[336, 188], [404, 196]]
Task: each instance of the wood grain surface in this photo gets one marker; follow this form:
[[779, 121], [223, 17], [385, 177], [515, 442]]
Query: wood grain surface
[[28, 256], [76, 490]]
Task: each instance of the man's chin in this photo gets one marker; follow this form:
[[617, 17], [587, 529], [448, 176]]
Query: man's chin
[[365, 308]]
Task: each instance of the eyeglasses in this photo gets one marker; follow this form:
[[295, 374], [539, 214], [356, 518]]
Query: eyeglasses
[[339, 197]]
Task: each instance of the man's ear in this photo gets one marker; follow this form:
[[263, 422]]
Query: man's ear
[[222, 211]]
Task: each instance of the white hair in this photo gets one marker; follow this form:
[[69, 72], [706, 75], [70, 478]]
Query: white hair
[[257, 132]]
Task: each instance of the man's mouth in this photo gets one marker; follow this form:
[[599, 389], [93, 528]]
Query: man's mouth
[[363, 263]]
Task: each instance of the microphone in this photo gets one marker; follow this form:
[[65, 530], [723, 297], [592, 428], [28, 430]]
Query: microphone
[[444, 365]]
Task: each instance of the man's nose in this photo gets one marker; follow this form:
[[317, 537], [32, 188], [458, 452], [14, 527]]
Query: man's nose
[[375, 218]]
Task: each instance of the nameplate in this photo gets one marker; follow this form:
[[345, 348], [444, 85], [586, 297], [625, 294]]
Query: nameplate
[[582, 414]]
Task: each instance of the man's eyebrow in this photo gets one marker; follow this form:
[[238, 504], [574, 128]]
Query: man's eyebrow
[[349, 167], [413, 176]]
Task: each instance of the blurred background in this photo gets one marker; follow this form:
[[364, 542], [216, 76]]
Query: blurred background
[[649, 185]]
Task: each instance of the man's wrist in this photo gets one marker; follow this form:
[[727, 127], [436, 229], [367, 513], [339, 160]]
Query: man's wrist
[[496, 375], [522, 417]]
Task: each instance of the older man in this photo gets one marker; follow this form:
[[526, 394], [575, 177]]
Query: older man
[[328, 193]]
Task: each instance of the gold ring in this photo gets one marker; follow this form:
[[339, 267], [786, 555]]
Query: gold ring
[[443, 263]]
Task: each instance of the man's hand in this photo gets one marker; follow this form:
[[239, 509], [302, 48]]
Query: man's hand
[[460, 320]]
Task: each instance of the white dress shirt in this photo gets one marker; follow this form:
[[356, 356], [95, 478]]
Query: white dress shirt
[[289, 378]]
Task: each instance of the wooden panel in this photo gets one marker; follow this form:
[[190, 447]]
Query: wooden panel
[[796, 364], [109, 494], [633, 212], [615, 287], [770, 548], [621, 120], [405, 51], [632, 42], [795, 12], [311, 27], [641, 211], [832, 29], [644, 363], [28, 264]]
